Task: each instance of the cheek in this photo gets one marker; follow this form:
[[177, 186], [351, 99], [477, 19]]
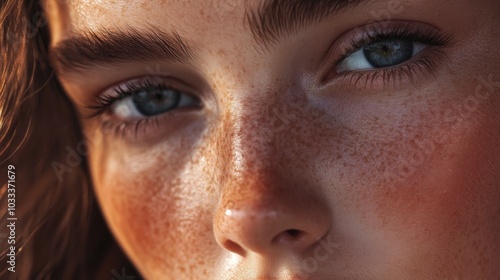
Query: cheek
[[422, 175], [157, 212], [447, 160]]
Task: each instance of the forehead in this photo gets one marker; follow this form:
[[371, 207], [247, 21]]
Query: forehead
[[76, 16]]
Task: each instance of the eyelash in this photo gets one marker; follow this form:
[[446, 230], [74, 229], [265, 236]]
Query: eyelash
[[129, 129], [423, 62], [105, 101]]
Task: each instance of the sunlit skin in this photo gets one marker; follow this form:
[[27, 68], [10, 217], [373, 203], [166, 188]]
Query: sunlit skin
[[400, 175]]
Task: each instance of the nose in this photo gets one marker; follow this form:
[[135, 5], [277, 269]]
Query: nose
[[266, 219], [266, 205]]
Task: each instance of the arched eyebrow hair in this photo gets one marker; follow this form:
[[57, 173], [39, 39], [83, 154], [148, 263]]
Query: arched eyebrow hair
[[274, 19], [86, 49]]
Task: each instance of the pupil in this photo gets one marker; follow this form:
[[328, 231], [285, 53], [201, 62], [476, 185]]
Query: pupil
[[155, 101], [387, 53]]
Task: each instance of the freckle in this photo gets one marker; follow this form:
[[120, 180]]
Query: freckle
[[365, 159]]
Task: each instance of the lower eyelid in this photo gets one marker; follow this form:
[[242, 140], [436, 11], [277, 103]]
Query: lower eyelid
[[142, 128], [146, 128]]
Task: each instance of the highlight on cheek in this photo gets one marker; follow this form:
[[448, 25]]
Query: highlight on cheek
[[266, 139]]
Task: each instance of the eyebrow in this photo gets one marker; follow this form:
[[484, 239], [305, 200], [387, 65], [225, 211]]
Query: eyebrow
[[269, 22], [85, 50], [274, 19]]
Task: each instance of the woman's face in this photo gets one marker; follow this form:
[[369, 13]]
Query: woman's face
[[291, 139]]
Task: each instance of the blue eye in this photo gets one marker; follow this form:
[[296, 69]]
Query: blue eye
[[381, 54], [154, 101], [388, 53], [142, 100]]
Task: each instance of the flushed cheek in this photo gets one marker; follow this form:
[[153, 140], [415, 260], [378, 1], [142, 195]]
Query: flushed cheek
[[457, 164], [418, 179], [158, 209], [167, 233], [448, 218]]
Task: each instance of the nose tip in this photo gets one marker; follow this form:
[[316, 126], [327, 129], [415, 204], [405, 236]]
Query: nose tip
[[270, 230]]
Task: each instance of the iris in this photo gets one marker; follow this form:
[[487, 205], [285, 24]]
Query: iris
[[155, 101], [388, 52]]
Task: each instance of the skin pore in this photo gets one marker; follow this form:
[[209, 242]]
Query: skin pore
[[281, 166]]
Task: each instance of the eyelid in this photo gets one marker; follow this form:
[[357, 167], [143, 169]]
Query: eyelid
[[114, 91], [145, 127], [353, 39], [150, 128], [102, 101]]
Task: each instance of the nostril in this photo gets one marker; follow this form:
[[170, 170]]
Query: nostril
[[288, 236], [234, 247]]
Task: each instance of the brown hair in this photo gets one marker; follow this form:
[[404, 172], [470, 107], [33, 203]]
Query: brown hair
[[60, 233]]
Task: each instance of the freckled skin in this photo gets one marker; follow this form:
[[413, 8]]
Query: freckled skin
[[405, 180]]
